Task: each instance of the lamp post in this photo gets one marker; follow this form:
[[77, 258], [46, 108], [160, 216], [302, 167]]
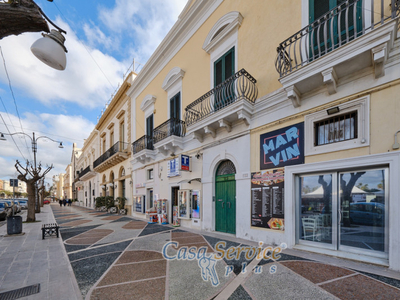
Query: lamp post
[[34, 150], [19, 16]]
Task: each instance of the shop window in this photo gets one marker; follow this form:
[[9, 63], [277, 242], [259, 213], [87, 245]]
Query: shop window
[[336, 128]]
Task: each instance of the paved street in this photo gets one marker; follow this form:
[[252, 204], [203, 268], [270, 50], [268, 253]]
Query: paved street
[[103, 256]]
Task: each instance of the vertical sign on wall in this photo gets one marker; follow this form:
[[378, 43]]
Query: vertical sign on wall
[[185, 163], [267, 199], [173, 167]]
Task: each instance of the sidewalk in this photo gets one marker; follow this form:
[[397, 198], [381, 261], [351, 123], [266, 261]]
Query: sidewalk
[[118, 257], [27, 260]]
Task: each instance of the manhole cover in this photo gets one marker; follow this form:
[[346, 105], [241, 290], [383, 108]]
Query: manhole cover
[[22, 292]]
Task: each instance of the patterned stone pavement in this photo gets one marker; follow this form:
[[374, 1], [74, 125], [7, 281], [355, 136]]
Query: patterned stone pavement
[[118, 257]]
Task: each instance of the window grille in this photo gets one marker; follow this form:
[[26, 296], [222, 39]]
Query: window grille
[[336, 129]]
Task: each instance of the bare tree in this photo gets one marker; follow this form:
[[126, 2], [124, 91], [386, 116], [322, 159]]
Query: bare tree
[[31, 175]]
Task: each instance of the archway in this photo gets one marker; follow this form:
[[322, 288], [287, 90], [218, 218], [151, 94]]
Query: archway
[[225, 197], [90, 194], [121, 185], [112, 186]]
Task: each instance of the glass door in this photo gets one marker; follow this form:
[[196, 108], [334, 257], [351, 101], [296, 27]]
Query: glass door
[[316, 217], [363, 210], [344, 211]]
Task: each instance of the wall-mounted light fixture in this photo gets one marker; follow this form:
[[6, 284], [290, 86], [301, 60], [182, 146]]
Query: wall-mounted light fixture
[[396, 144], [333, 110]]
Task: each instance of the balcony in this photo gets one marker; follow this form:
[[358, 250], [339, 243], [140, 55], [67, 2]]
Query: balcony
[[86, 174], [210, 111], [116, 154], [168, 136], [143, 148], [345, 40]]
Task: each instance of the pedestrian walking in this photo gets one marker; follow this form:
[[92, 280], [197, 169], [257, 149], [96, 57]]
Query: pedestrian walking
[[69, 202], [60, 202], [64, 202]]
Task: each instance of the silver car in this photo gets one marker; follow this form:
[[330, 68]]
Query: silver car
[[23, 203]]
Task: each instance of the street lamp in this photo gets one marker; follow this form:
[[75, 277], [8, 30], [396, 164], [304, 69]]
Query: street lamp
[[50, 48], [33, 140], [34, 146]]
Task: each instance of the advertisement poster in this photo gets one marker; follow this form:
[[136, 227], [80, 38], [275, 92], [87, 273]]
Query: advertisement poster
[[282, 147], [267, 199]]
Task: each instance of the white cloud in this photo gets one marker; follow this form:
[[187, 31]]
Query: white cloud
[[82, 82], [145, 22], [67, 129]]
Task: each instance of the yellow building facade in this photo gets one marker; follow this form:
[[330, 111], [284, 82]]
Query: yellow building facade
[[274, 121]]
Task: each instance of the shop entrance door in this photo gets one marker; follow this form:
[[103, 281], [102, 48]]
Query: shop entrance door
[[344, 211], [225, 198]]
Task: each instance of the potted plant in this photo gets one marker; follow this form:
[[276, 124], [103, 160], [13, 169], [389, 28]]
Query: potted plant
[[121, 205]]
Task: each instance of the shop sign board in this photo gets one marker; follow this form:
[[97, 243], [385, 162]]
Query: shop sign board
[[173, 167], [185, 163], [282, 147]]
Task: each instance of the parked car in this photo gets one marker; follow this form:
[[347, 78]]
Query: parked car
[[5, 210], [46, 201], [367, 213], [11, 204], [17, 205], [23, 203]]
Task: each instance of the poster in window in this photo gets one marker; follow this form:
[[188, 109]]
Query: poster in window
[[267, 199], [282, 147]]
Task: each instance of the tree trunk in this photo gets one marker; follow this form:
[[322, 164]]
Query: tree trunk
[[41, 197], [19, 18], [30, 188]]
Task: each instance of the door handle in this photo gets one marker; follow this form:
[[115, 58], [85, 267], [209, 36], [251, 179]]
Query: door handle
[[229, 204], [340, 215], [222, 202]]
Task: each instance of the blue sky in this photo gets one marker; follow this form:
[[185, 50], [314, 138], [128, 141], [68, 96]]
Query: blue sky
[[103, 38]]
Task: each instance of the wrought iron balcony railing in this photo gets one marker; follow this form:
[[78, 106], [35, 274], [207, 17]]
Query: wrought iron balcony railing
[[171, 127], [85, 171], [344, 23], [145, 142], [237, 87], [117, 147]]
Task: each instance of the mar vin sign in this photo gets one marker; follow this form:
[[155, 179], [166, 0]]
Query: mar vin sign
[[282, 147]]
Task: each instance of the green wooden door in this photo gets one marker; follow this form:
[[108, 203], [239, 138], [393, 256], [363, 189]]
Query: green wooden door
[[225, 203], [224, 68]]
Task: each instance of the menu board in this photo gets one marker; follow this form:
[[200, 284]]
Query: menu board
[[267, 199]]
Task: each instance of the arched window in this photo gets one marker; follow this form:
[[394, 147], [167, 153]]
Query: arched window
[[226, 167]]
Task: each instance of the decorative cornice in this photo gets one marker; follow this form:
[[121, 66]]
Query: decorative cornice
[[120, 114], [173, 76], [111, 125], [148, 100], [227, 23]]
